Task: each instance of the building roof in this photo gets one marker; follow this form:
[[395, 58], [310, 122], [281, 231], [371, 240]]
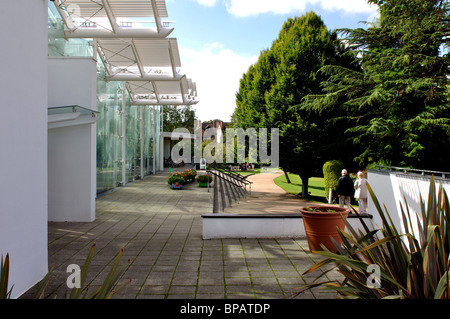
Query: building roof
[[110, 14], [140, 57], [131, 39]]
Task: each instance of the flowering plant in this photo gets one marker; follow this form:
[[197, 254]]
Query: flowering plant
[[189, 175], [204, 178], [176, 178]]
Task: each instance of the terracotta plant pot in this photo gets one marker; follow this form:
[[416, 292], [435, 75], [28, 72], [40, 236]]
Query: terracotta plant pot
[[321, 225]]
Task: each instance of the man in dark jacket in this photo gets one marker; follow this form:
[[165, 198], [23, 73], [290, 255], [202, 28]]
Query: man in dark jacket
[[345, 190]]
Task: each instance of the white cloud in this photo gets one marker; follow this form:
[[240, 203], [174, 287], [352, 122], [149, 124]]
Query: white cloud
[[350, 6], [216, 72], [245, 8], [208, 3]]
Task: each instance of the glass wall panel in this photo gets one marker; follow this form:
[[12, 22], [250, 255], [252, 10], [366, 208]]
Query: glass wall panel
[[109, 132], [141, 124], [148, 131], [110, 160], [57, 44], [132, 142], [157, 135]]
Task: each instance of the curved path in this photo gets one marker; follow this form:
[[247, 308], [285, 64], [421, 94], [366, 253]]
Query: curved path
[[267, 198]]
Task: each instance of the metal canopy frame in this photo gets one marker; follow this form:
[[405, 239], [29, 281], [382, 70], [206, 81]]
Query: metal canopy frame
[[113, 18], [140, 57], [143, 57]]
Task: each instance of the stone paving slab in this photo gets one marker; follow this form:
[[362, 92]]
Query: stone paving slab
[[161, 232]]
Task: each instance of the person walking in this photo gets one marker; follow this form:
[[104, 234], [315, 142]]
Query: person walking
[[345, 190], [361, 192]]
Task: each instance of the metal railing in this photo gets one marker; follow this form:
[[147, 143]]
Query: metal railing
[[414, 171], [230, 189], [238, 178]]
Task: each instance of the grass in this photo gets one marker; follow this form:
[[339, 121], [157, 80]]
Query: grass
[[257, 170], [316, 187], [254, 171]]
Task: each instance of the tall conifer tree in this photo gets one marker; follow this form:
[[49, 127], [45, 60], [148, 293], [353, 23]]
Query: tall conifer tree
[[272, 89], [398, 101]]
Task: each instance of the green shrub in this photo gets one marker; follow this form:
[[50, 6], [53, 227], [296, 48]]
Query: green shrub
[[331, 173]]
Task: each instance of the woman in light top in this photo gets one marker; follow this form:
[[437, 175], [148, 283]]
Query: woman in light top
[[361, 192]]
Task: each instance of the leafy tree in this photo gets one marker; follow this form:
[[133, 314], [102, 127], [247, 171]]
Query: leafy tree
[[178, 117], [250, 99], [272, 89], [398, 101]]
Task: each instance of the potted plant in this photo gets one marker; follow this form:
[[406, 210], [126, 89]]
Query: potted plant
[[190, 175], [321, 223], [388, 263], [176, 180], [204, 179]]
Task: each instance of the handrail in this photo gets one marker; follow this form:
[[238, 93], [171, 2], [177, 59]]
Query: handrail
[[223, 182], [235, 176], [417, 171], [209, 171], [239, 178]]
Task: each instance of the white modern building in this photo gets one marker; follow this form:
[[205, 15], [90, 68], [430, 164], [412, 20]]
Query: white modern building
[[82, 87]]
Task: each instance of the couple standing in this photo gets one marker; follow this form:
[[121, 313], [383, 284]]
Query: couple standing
[[345, 190]]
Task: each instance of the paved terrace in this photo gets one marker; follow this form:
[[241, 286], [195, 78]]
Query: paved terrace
[[161, 232]]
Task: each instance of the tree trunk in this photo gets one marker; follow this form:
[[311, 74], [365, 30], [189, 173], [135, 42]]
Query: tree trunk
[[305, 180], [287, 177]]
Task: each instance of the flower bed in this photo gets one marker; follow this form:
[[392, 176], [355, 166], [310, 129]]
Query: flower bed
[[204, 178], [177, 179], [189, 175]]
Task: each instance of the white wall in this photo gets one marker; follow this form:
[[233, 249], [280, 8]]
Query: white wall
[[71, 189], [72, 144], [238, 226], [23, 141], [223, 225], [382, 186], [392, 188], [72, 81]]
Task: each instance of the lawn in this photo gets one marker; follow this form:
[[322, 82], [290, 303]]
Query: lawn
[[258, 170], [316, 187], [254, 171]]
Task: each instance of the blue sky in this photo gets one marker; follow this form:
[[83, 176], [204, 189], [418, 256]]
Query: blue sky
[[219, 39]]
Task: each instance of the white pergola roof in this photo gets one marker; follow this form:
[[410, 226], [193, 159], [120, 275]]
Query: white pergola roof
[[140, 57], [179, 92], [110, 18], [120, 8], [132, 42]]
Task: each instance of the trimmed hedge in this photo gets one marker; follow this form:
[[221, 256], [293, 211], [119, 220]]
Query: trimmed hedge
[[331, 173]]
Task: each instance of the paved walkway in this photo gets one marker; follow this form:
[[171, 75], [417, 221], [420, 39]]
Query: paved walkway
[[161, 232], [267, 198]]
